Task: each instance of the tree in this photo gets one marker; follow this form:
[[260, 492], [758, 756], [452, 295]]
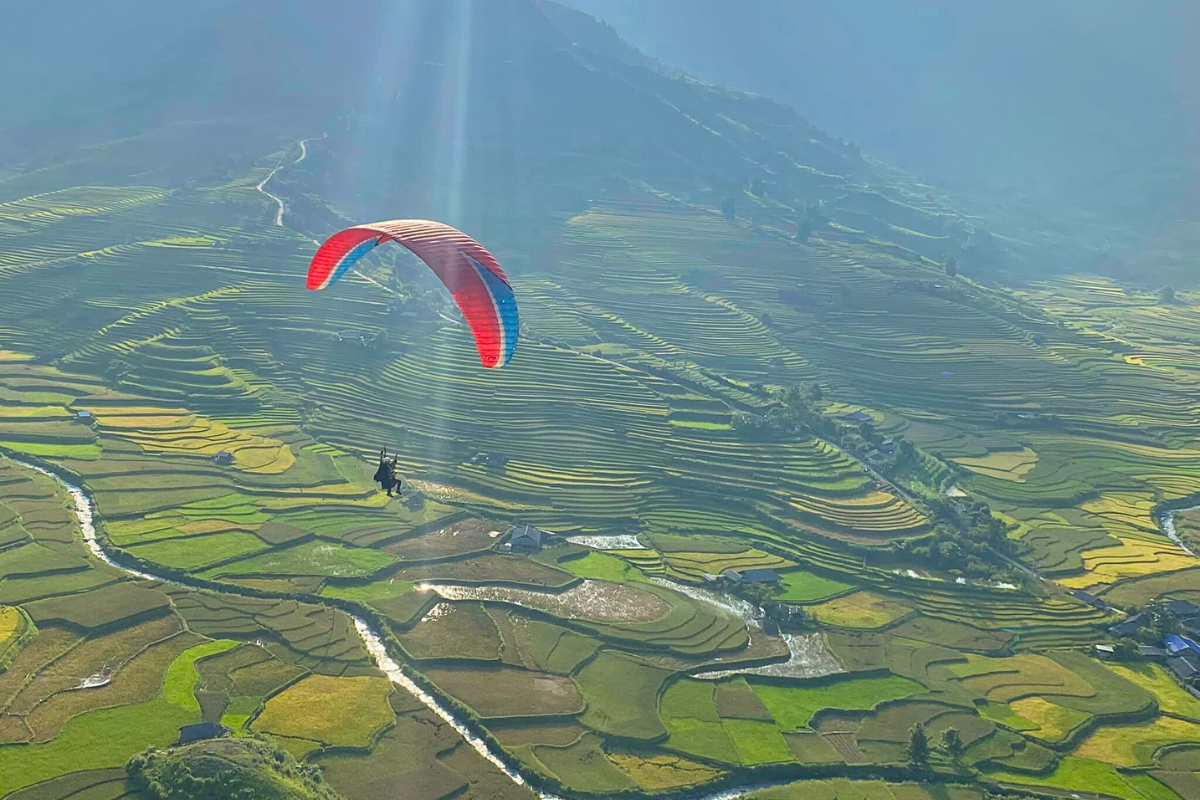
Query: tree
[[729, 208], [1126, 649], [918, 744], [1167, 294], [952, 743], [758, 593], [951, 266]]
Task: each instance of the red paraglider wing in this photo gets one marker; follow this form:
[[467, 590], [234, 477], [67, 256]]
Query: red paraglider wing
[[473, 276]]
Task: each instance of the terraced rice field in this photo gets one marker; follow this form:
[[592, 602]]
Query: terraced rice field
[[616, 420], [860, 610]]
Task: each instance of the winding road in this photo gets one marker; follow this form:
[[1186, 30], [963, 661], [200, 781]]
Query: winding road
[[262, 185]]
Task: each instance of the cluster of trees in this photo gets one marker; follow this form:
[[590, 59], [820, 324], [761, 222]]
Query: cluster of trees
[[918, 749], [247, 768], [966, 541], [798, 299], [812, 218], [1160, 621], [773, 425], [760, 187], [795, 415]]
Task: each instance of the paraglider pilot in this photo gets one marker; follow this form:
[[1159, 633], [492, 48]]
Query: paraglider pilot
[[385, 476]]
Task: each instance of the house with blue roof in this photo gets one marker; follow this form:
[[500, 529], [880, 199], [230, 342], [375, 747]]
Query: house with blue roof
[[1179, 645]]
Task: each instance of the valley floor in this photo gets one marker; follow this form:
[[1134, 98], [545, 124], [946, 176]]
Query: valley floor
[[656, 336]]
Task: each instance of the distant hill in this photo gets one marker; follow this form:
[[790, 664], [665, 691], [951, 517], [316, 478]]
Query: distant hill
[[503, 119]]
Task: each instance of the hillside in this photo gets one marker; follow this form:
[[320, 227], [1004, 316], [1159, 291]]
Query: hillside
[[532, 124], [225, 768], [928, 463]]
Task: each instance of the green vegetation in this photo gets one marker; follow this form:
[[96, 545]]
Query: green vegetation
[[107, 737], [584, 766], [422, 754], [198, 551], [808, 383], [312, 558], [509, 692], [838, 788], [1084, 775], [805, 587], [793, 705], [757, 742], [693, 725], [598, 566], [622, 693], [241, 767], [337, 712], [859, 610]]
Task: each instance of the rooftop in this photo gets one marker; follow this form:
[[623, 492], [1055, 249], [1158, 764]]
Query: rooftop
[[1129, 626], [1180, 644], [526, 535], [1183, 608], [753, 576], [1185, 667], [1088, 598]]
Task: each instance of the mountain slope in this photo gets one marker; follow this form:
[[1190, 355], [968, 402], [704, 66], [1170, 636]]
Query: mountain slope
[[514, 111]]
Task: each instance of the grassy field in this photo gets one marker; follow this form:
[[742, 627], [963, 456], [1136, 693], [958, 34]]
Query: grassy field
[[336, 712], [107, 737], [662, 771], [839, 788], [622, 693], [859, 610], [1085, 775], [1136, 745], [1154, 679], [805, 587], [794, 706], [422, 754], [688, 711], [508, 692]]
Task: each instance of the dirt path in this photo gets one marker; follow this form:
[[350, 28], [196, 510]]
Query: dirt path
[[262, 185]]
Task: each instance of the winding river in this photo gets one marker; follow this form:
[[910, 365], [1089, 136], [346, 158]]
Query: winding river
[[372, 640], [374, 643]]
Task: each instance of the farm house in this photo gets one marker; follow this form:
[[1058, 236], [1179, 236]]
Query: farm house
[[526, 539]]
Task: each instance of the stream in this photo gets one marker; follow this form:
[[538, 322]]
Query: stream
[[375, 646], [371, 638], [1168, 526]]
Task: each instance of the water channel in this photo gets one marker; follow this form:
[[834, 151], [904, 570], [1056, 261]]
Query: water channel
[[374, 643]]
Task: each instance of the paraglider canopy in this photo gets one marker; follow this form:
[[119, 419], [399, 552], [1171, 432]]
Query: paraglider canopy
[[474, 277]]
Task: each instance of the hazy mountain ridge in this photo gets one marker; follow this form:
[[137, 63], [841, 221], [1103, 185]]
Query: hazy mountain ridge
[[552, 110]]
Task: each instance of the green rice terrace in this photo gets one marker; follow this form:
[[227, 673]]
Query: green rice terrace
[[157, 349]]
